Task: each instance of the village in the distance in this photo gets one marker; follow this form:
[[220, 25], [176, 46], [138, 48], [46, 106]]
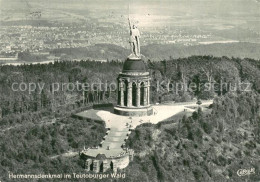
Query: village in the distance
[[41, 28]]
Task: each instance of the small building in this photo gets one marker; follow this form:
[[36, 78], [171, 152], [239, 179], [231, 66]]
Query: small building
[[102, 163]]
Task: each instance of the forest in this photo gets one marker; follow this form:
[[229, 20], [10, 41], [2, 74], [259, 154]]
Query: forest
[[203, 147], [196, 69], [37, 128]]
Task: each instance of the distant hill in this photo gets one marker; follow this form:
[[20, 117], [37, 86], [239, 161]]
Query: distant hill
[[241, 50], [158, 52], [98, 51]]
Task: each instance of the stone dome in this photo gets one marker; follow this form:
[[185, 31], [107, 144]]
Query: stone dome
[[134, 65]]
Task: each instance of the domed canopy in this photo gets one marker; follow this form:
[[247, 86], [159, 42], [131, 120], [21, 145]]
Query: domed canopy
[[134, 65]]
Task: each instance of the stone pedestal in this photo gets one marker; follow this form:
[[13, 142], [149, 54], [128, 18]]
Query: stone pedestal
[[134, 77]]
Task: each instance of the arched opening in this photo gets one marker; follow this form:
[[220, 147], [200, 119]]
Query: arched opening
[[111, 165], [125, 92], [142, 94], [101, 167], [91, 166], [134, 94]]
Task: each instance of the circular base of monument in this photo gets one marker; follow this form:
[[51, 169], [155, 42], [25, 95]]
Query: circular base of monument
[[124, 111]]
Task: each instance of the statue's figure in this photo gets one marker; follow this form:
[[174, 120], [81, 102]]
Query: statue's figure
[[134, 39]]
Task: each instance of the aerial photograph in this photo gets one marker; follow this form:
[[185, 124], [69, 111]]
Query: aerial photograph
[[130, 90]]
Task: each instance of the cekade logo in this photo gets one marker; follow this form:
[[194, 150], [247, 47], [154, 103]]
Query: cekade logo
[[244, 172]]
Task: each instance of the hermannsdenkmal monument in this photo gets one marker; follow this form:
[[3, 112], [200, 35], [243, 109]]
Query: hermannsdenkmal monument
[[132, 109], [134, 82], [133, 100]]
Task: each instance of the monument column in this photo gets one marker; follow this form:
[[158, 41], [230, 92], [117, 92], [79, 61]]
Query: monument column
[[106, 165], [96, 166], [145, 94], [138, 95], [88, 164], [118, 92], [129, 94], [148, 93], [121, 93]]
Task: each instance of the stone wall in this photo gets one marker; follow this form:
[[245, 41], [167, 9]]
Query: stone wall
[[102, 165], [133, 112]]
